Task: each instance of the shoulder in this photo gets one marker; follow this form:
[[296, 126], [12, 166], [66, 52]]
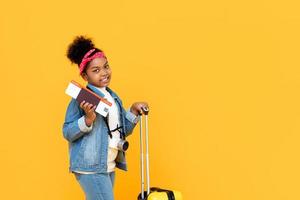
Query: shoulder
[[114, 94], [74, 106], [73, 102]]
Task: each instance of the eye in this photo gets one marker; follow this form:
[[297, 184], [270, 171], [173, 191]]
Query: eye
[[97, 70], [106, 66]]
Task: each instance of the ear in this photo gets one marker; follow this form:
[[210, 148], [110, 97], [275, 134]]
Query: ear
[[84, 76]]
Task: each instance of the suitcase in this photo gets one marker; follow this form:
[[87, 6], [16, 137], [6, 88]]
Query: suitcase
[[153, 193]]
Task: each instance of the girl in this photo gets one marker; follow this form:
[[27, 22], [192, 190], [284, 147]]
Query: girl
[[92, 138]]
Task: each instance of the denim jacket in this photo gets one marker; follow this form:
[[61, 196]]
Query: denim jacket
[[88, 146]]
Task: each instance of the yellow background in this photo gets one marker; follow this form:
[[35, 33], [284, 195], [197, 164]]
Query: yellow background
[[222, 79]]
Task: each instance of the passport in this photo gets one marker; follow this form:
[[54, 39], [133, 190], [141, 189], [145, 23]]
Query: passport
[[80, 93]]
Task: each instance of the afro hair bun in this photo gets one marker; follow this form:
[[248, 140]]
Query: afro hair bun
[[78, 48]]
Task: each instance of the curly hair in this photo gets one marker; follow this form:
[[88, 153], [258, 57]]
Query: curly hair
[[79, 47]]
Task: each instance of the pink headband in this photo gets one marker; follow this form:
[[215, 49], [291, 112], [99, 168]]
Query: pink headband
[[87, 59]]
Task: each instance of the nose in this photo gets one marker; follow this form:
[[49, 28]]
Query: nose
[[104, 74]]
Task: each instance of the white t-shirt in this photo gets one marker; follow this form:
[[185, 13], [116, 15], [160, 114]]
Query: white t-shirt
[[113, 123]]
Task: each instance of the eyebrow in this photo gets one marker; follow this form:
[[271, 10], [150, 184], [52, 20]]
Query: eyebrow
[[98, 66]]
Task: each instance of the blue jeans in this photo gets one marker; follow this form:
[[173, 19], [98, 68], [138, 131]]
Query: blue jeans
[[97, 186]]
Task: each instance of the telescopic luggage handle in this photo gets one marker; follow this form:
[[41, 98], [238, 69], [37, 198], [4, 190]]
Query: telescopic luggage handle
[[151, 193], [146, 111]]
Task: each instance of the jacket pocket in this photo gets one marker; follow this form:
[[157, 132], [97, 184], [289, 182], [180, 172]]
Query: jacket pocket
[[90, 155]]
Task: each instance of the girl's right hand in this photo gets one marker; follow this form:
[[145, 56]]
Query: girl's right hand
[[89, 110]]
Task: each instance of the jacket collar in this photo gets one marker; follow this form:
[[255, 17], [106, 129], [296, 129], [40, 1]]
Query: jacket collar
[[97, 91]]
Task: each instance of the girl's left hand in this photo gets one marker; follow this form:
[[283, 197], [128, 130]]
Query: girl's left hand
[[136, 108]]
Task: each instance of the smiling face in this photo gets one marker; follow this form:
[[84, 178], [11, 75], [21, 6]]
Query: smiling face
[[98, 72]]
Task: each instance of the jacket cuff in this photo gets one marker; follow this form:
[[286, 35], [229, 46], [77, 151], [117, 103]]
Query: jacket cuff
[[132, 117], [82, 125]]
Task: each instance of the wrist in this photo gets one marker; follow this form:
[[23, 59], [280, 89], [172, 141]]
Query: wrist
[[88, 121], [134, 111]]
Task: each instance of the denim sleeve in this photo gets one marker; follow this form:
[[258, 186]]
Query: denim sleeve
[[74, 126], [130, 121]]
